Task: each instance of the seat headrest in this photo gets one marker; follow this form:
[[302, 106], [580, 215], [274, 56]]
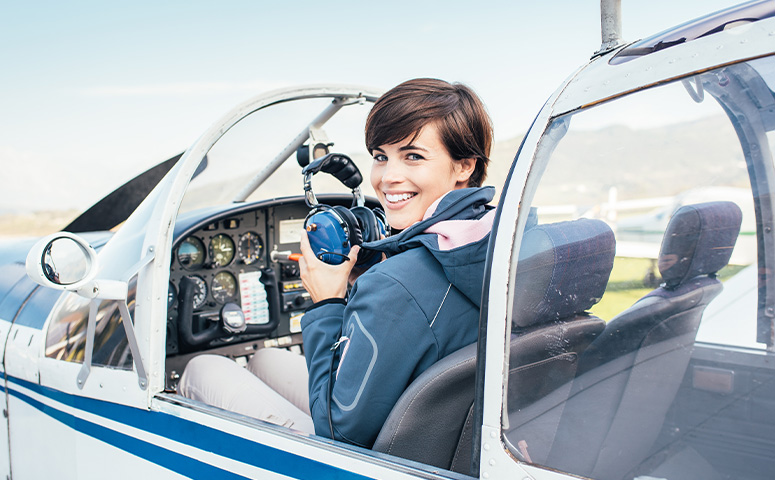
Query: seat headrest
[[563, 270], [698, 241]]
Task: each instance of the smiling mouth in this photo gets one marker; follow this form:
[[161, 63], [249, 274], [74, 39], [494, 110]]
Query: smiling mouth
[[399, 197]]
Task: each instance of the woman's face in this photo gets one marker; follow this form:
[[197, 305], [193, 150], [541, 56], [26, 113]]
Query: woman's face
[[409, 176]]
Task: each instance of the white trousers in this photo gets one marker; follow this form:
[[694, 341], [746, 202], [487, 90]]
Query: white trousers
[[273, 387]]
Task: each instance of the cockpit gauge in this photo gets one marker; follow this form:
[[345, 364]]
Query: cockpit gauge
[[250, 247], [224, 287], [200, 290], [221, 250], [191, 253]]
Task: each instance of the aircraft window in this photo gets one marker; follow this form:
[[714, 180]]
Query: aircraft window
[[641, 363], [66, 337], [234, 159]]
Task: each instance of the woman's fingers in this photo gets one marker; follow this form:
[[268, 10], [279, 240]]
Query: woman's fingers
[[305, 247], [321, 280]]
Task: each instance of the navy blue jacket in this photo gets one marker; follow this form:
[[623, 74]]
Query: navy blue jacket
[[403, 315]]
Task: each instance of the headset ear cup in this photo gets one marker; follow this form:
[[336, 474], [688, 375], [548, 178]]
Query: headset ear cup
[[368, 223], [354, 231], [317, 209]]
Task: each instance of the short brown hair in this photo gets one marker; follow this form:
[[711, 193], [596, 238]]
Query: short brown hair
[[464, 125]]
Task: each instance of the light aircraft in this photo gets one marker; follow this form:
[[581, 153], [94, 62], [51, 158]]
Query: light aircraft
[[645, 231], [98, 323]]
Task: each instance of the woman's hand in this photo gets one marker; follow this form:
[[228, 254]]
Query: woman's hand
[[321, 280], [358, 271]]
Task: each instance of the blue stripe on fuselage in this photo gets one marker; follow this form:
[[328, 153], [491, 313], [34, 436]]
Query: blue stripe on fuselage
[[168, 459], [179, 430]]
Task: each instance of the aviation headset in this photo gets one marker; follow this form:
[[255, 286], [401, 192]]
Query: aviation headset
[[334, 230]]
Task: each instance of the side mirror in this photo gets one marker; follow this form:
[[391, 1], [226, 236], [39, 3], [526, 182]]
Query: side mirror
[[62, 261]]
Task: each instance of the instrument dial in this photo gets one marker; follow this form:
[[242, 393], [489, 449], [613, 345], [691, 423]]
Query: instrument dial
[[191, 253], [250, 247], [224, 287], [200, 290], [221, 250]]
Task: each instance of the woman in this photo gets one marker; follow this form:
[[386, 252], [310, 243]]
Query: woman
[[430, 141]]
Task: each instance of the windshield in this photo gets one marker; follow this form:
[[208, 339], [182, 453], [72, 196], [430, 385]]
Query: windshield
[[259, 138]]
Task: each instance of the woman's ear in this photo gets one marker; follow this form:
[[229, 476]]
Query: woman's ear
[[464, 169]]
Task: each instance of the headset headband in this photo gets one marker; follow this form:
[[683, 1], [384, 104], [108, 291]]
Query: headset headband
[[341, 167]]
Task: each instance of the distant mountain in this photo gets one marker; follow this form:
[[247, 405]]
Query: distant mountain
[[673, 158]]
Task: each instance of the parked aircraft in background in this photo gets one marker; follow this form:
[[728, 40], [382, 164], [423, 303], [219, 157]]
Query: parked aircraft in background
[[640, 236]]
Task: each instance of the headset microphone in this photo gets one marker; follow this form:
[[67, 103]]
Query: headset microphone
[[333, 231]]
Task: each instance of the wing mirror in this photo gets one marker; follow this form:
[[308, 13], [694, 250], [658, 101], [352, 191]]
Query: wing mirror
[[64, 261]]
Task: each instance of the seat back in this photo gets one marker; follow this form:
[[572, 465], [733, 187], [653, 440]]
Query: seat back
[[630, 374], [563, 270]]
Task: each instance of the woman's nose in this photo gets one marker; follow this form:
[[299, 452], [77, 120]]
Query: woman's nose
[[392, 172]]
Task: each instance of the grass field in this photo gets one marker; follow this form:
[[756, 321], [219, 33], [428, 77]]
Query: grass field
[[627, 284]]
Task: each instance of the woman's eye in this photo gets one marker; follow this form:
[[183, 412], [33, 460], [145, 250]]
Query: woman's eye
[[414, 156], [380, 158]]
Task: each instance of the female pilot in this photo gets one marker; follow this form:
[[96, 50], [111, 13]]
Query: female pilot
[[430, 141]]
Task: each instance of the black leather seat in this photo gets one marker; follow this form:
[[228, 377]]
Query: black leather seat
[[631, 373], [563, 271]]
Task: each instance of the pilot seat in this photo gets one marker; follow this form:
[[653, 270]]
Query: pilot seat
[[563, 270]]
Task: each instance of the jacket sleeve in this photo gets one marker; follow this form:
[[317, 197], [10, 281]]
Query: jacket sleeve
[[385, 337]]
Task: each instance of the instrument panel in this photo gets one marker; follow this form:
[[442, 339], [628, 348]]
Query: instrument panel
[[225, 259], [226, 287], [226, 254]]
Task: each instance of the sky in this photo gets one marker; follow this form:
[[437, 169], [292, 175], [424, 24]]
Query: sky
[[95, 92]]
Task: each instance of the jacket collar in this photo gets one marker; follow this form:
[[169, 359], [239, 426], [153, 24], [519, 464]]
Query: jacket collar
[[463, 204]]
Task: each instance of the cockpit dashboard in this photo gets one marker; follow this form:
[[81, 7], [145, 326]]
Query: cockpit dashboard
[[236, 257]]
